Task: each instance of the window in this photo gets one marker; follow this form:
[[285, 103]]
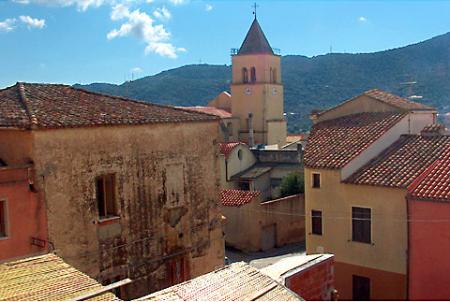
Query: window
[[240, 154], [361, 288], [2, 218], [244, 185], [253, 74], [244, 75], [361, 225], [274, 75], [230, 128], [106, 199], [316, 222], [316, 180]]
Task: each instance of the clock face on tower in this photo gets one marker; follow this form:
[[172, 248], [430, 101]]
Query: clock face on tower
[[248, 91], [274, 91]]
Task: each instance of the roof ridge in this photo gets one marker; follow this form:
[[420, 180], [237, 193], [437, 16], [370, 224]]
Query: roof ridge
[[24, 100]]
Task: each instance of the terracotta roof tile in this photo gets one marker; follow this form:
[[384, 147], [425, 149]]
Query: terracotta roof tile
[[334, 143], [59, 106], [209, 110], [396, 101], [434, 183], [47, 278], [236, 282], [237, 198], [403, 162], [227, 148]]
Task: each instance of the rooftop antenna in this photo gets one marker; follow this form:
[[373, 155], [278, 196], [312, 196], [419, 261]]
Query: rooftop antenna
[[254, 6]]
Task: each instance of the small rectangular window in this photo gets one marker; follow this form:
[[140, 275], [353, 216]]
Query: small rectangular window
[[105, 186], [316, 180], [361, 225], [2, 218], [361, 288], [316, 222], [244, 185]]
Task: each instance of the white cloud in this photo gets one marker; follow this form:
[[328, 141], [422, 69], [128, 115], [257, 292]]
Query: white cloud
[[162, 14], [7, 25], [177, 2], [208, 7], [140, 25], [362, 19], [136, 70], [32, 22], [80, 4]]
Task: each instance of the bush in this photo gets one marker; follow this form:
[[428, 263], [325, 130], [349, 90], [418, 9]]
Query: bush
[[293, 183]]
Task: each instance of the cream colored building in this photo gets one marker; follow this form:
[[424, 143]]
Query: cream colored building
[[363, 223]]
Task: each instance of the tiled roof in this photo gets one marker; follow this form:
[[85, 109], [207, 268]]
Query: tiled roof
[[227, 148], [59, 106], [396, 101], [434, 183], [334, 143], [255, 41], [236, 282], [403, 162], [209, 110], [47, 278], [236, 198]]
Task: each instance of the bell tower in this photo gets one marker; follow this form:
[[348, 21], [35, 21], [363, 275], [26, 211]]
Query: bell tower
[[257, 90]]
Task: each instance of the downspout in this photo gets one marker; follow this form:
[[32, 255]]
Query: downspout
[[408, 222]]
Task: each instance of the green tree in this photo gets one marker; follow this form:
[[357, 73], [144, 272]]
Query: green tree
[[293, 183]]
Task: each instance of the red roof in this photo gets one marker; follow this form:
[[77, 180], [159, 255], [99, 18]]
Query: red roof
[[209, 110], [403, 162], [236, 198], [434, 183], [227, 148], [29, 106], [334, 143], [396, 101]]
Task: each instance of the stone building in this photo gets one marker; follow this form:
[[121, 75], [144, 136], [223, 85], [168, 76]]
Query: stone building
[[130, 188]]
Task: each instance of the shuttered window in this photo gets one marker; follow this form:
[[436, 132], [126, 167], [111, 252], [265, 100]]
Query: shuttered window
[[361, 225], [316, 222], [361, 288], [316, 180], [2, 218], [105, 186]]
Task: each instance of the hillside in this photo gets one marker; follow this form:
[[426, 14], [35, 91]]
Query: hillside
[[311, 83]]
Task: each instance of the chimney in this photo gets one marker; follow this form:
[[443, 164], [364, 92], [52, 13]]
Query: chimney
[[251, 139]]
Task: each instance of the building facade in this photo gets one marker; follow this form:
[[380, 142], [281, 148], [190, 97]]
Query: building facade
[[360, 158], [131, 188]]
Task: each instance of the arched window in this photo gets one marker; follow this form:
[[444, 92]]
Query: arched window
[[274, 75], [244, 75], [253, 74]]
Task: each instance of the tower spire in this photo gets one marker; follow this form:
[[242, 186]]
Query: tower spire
[[254, 6]]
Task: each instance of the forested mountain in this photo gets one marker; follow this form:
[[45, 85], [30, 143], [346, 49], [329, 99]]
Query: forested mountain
[[421, 69]]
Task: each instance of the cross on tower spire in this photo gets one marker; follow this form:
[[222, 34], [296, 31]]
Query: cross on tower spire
[[254, 6]]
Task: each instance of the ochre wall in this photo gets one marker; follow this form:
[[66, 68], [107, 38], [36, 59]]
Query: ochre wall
[[16, 146], [388, 222], [167, 185], [25, 215], [429, 247], [383, 285]]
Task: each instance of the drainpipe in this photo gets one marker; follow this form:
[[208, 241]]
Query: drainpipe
[[408, 233], [251, 139]]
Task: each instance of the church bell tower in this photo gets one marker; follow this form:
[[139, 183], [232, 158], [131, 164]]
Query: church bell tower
[[257, 90]]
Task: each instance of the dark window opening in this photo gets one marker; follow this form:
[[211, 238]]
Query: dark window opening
[[274, 75], [361, 288], [361, 224], [316, 180], [230, 128], [316, 222], [2, 218], [105, 186], [244, 75], [253, 74], [244, 185]]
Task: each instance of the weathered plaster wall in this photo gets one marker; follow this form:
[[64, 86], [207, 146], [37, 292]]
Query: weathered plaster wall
[[16, 146], [166, 193]]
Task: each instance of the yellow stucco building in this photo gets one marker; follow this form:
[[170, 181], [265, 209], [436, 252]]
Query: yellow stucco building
[[364, 223]]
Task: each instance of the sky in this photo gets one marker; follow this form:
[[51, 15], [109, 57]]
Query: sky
[[85, 41]]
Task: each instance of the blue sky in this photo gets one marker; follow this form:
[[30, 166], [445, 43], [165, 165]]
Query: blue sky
[[84, 41]]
